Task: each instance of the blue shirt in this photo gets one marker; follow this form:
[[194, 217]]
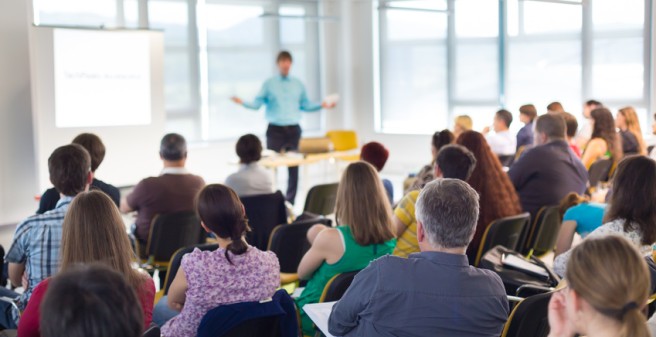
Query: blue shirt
[[36, 244], [427, 294], [285, 98], [525, 136], [588, 217]]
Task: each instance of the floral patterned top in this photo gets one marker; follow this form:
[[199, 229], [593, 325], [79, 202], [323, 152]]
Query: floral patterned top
[[615, 227], [213, 281]]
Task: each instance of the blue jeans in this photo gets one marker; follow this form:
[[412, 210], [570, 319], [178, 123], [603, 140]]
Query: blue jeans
[[162, 313], [7, 315]]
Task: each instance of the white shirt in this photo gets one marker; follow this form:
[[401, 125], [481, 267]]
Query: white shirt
[[250, 179], [174, 170], [584, 133], [502, 143]]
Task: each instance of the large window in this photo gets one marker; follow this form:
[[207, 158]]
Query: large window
[[474, 56]]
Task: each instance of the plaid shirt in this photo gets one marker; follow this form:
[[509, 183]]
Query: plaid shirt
[[36, 244]]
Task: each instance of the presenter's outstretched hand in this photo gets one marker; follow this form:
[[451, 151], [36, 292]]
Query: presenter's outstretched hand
[[237, 100], [327, 105]]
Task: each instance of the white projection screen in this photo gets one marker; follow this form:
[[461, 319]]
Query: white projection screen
[[107, 82]]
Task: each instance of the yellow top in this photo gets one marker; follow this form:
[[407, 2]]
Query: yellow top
[[407, 244]]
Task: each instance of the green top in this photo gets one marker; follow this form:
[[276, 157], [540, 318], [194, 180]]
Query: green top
[[355, 257]]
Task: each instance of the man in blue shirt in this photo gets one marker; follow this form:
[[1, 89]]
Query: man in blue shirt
[[285, 99], [432, 293]]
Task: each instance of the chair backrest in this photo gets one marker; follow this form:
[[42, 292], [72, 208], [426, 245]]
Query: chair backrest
[[263, 326], [176, 259], [321, 199], [153, 331], [529, 318], [543, 233], [337, 286], [506, 160], [289, 242], [343, 140], [170, 232], [264, 212], [504, 232], [599, 172]]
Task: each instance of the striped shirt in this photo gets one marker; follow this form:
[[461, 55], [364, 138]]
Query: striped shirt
[[36, 244], [405, 211]]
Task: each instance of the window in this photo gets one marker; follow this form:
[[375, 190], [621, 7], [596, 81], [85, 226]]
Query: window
[[97, 13]]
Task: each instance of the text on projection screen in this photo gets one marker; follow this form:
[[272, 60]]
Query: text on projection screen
[[101, 78]]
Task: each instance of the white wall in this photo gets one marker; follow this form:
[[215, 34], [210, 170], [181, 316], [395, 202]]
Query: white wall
[[18, 183]]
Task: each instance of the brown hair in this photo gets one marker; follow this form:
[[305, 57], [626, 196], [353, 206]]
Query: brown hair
[[284, 55], [362, 204], [613, 264], [94, 146], [604, 128], [498, 196], [249, 149], [529, 110], [570, 201], [633, 198], [555, 107], [69, 167], [93, 232], [572, 125], [223, 213], [633, 125]]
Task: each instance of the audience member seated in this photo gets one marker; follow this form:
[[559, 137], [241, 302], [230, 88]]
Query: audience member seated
[[571, 124], [34, 253], [173, 191], [502, 142], [376, 154], [251, 179], [585, 130], [364, 233], [96, 149], [498, 196], [545, 174], [91, 301], [607, 289], [93, 232], [426, 174], [631, 212], [461, 124], [652, 153], [527, 114], [236, 272], [453, 161], [605, 142], [631, 134], [432, 293], [579, 216], [555, 107]]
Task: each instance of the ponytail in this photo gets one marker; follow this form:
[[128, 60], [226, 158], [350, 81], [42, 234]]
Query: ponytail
[[634, 324], [569, 201], [238, 246]]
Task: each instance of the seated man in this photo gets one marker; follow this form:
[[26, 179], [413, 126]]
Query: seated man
[[251, 179], [432, 293], [376, 154], [34, 253], [548, 172], [453, 161], [173, 191], [501, 141], [91, 301], [96, 149]]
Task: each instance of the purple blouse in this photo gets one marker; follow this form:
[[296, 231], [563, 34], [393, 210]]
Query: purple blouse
[[213, 281]]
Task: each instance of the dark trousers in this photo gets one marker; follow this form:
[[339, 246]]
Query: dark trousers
[[286, 138]]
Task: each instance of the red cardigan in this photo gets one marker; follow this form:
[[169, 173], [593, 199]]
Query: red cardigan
[[28, 325]]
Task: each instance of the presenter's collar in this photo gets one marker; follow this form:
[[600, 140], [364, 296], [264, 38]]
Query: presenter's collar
[[283, 77]]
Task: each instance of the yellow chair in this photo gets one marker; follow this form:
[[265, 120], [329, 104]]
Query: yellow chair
[[343, 140]]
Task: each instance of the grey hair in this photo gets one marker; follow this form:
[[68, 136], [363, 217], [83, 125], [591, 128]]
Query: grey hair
[[448, 210]]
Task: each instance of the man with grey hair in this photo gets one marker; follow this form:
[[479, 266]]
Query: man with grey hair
[[432, 293]]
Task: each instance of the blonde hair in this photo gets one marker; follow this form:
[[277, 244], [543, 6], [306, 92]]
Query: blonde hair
[[613, 264], [464, 122], [93, 232], [633, 125], [363, 206]]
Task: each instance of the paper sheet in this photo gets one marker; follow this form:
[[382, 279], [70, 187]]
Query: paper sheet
[[319, 313]]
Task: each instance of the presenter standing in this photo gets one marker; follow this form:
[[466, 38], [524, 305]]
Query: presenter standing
[[285, 99]]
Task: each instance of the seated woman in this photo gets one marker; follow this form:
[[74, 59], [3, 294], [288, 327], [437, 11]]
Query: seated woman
[[376, 154], [235, 272], [461, 124], [93, 232], [251, 179], [604, 142], [427, 173], [608, 287], [579, 216], [629, 124], [364, 234], [498, 196], [632, 208]]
